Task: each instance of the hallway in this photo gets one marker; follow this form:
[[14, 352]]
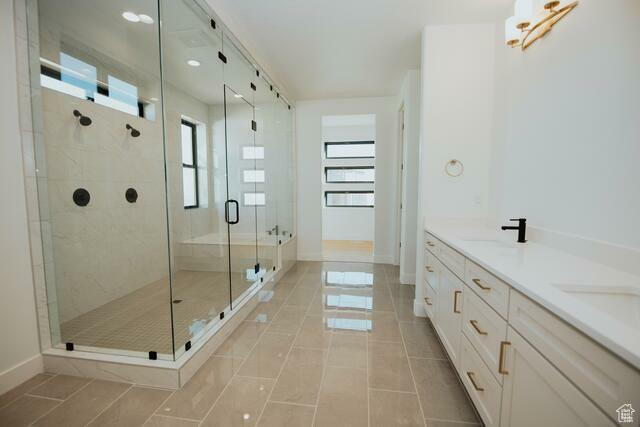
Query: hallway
[[333, 344]]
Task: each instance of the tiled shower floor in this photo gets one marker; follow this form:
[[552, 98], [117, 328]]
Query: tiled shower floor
[[141, 321], [335, 344]]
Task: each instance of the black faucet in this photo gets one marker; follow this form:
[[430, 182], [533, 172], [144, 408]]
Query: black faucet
[[522, 229]]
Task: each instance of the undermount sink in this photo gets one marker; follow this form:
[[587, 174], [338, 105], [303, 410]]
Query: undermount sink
[[620, 302]]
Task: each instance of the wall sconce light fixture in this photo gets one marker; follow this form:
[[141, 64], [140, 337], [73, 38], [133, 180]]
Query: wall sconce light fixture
[[533, 19]]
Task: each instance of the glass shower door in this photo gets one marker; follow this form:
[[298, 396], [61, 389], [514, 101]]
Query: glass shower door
[[193, 95], [240, 207], [266, 172]]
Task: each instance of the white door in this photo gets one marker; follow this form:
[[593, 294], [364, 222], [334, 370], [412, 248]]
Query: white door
[[535, 393], [449, 313]]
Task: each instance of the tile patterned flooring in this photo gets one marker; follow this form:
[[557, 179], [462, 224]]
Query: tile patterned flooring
[[141, 320], [334, 344]]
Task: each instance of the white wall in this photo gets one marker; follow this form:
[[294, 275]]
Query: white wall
[[568, 137], [348, 224], [309, 165], [457, 94], [410, 103], [20, 354]]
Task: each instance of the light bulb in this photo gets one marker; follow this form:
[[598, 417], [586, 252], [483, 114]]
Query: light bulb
[[131, 17], [145, 19], [511, 32]]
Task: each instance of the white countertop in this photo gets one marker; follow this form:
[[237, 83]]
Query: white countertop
[[541, 272]]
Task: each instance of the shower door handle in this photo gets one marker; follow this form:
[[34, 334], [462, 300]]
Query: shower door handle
[[226, 211]]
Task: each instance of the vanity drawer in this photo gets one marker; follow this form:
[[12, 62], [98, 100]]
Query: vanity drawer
[[483, 388], [431, 243], [452, 260], [491, 289], [431, 269], [607, 380], [429, 300], [484, 329]]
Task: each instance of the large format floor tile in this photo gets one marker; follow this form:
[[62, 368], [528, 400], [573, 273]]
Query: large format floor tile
[[278, 414], [390, 409], [60, 387], [300, 379], [83, 407], [241, 403], [133, 408], [389, 367], [334, 344], [25, 410], [348, 351], [343, 398], [267, 357], [441, 395]]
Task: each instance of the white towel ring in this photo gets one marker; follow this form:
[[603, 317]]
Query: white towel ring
[[454, 168]]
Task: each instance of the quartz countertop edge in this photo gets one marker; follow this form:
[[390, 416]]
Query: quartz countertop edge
[[536, 270]]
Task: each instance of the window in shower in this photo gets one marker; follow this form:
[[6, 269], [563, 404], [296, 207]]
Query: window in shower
[[254, 199], [80, 79], [253, 176], [189, 164], [252, 152]]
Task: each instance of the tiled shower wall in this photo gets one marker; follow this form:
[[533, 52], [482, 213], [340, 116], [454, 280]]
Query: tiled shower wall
[[31, 128], [110, 247]]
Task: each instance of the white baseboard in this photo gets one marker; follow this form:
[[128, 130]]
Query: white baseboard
[[418, 308], [309, 256], [408, 279], [383, 259], [20, 373]]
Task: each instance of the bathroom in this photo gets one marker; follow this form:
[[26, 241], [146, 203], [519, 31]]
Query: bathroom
[[175, 171]]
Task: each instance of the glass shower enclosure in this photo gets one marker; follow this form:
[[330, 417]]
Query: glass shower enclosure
[[165, 172]]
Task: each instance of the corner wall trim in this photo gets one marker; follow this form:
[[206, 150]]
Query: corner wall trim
[[20, 373], [418, 309], [408, 279]]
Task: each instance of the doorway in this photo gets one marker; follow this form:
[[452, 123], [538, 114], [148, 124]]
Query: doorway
[[348, 184]]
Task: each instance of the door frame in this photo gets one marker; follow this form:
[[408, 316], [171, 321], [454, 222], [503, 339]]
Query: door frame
[[398, 252]]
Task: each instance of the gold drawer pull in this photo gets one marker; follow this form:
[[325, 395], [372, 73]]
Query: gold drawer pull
[[428, 301], [480, 285], [429, 269], [455, 301], [474, 323], [430, 244], [472, 378], [503, 353]]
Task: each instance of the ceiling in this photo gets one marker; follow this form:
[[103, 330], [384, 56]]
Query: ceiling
[[323, 49]]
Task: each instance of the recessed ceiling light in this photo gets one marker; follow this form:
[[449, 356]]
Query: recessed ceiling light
[[145, 19], [131, 17], [193, 63]]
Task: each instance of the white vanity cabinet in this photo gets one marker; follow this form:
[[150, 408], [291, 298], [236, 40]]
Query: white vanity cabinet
[[448, 314], [536, 394], [521, 364]]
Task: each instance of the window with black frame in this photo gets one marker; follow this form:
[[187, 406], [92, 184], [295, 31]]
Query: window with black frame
[[350, 150], [349, 174], [349, 199], [189, 164]]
